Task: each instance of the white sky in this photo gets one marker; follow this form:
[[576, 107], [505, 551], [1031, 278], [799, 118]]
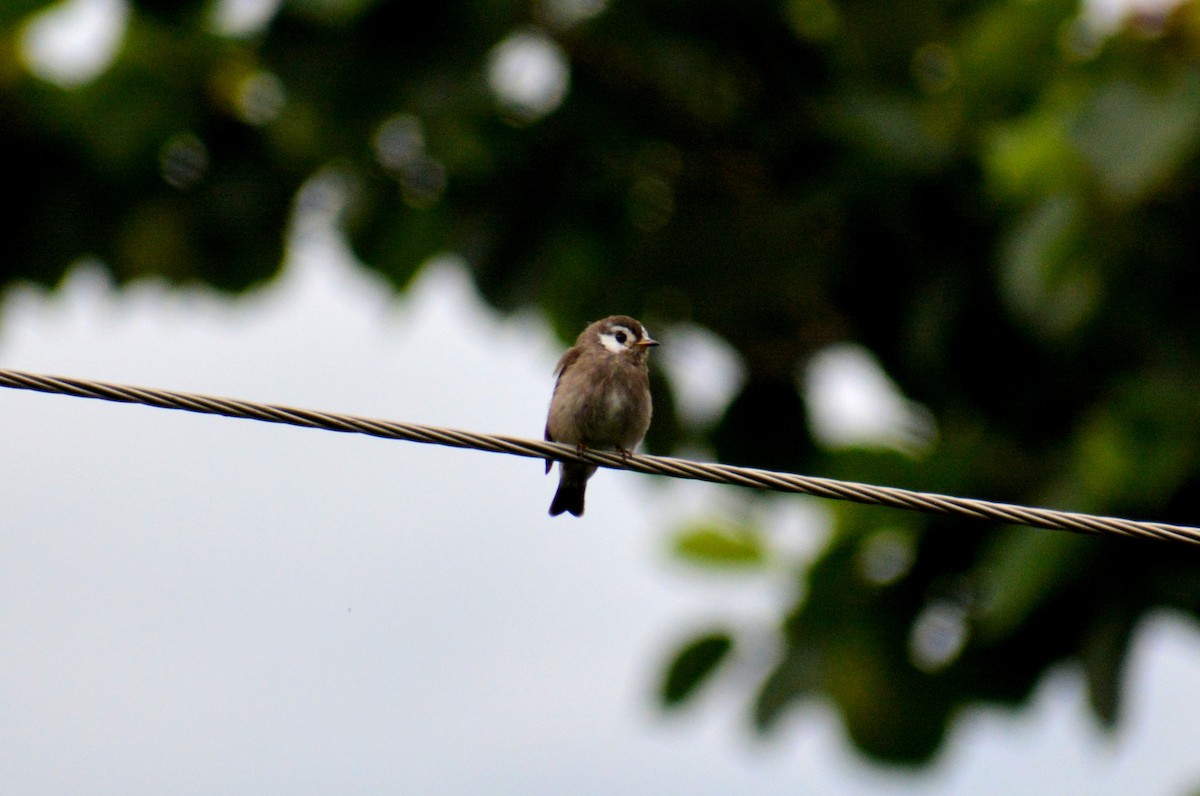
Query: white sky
[[195, 604]]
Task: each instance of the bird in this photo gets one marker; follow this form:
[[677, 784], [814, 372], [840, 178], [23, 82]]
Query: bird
[[601, 401]]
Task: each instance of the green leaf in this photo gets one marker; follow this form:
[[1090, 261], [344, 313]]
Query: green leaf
[[1021, 570], [1048, 273], [692, 665], [1105, 653], [1136, 135], [710, 545]]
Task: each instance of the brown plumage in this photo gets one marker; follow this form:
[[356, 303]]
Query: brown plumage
[[601, 400]]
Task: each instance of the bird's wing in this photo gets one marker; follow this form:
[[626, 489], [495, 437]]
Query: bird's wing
[[567, 360]]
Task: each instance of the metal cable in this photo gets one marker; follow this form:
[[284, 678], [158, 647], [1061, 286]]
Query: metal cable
[[658, 465]]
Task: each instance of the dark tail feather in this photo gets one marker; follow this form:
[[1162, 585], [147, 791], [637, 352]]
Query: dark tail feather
[[572, 483], [568, 498]]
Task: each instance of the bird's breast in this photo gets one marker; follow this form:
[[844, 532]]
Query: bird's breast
[[611, 411], [616, 405]]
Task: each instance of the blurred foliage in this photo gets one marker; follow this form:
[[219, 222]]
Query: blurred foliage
[[693, 664], [711, 544], [998, 199]]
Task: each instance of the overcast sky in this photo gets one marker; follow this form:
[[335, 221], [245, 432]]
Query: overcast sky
[[195, 604]]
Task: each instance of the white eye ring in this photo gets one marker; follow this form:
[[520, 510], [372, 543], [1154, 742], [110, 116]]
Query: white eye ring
[[617, 339]]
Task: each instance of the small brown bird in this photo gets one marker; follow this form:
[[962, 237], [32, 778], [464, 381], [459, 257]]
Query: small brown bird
[[601, 400]]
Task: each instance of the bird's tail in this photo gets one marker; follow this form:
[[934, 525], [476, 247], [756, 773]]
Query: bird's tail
[[568, 498], [572, 485]]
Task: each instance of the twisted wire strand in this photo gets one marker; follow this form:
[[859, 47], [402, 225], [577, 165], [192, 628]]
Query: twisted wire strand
[[656, 465]]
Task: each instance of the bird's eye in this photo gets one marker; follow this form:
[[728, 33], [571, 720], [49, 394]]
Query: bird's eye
[[621, 337]]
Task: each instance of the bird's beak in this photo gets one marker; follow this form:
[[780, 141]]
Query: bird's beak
[[646, 342]]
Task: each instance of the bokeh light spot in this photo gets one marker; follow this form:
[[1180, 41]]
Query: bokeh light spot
[[567, 13], [529, 76], [399, 145], [72, 42], [938, 636], [886, 556], [399, 142], [260, 97], [242, 18], [183, 161]]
